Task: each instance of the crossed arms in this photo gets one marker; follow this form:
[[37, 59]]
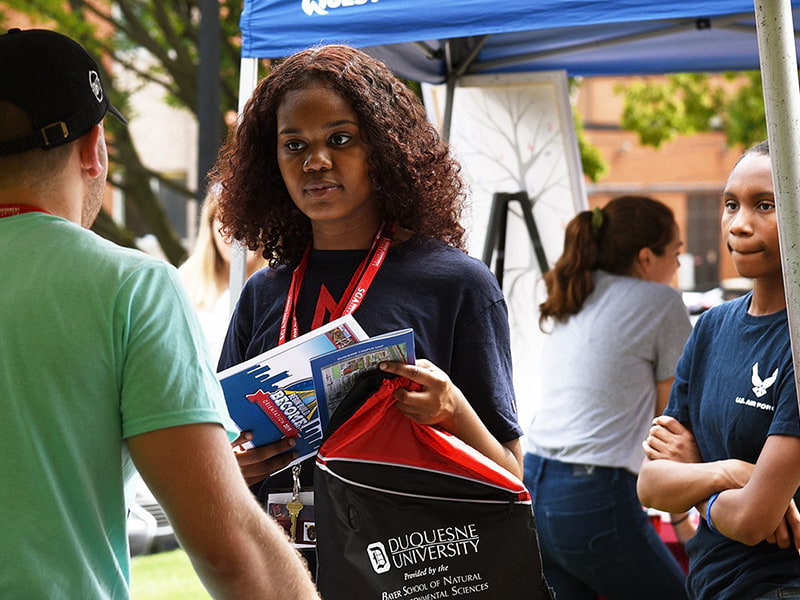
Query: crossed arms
[[755, 502]]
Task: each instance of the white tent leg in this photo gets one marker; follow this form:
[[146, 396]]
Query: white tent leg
[[248, 79], [776, 48]]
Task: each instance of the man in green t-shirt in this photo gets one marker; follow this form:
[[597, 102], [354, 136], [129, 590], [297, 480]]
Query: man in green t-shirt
[[102, 367]]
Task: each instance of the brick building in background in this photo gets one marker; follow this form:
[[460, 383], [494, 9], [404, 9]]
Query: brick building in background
[[688, 174]]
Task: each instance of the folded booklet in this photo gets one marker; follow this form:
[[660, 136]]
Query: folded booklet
[[335, 372], [272, 394]]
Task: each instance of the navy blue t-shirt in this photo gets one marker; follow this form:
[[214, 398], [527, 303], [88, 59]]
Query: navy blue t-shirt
[[734, 386], [452, 302]]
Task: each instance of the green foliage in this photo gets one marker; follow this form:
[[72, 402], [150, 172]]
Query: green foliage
[[745, 122], [594, 166], [659, 111], [167, 31], [689, 103], [592, 162], [652, 111]]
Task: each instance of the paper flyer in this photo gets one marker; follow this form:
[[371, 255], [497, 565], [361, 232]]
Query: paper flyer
[[272, 395], [334, 373]]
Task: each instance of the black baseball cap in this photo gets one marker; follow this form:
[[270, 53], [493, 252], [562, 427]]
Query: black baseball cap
[[54, 81]]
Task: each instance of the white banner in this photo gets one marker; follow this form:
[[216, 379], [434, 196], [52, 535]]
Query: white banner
[[514, 133]]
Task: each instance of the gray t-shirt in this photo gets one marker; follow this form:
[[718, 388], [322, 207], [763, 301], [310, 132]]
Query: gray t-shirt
[[600, 368]]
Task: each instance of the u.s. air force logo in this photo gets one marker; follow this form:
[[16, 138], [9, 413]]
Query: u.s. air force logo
[[760, 386]]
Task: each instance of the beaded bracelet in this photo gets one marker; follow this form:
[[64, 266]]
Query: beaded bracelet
[[708, 511]]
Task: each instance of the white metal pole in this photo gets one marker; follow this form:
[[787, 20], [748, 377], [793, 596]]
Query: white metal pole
[[248, 79], [778, 57]]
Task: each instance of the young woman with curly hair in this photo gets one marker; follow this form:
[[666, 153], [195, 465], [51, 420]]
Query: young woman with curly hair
[[414, 181], [335, 172]]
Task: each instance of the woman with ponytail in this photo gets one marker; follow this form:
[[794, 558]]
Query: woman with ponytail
[[615, 332]]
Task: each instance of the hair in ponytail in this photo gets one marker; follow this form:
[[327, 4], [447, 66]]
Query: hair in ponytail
[[609, 239]]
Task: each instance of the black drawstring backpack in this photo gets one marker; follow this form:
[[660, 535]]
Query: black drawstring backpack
[[409, 511]]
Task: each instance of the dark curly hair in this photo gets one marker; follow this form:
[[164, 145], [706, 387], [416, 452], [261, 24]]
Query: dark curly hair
[[416, 182]]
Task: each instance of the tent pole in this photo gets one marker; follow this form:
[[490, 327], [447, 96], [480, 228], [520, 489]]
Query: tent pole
[[454, 73], [777, 54], [208, 94], [248, 79], [448, 107], [450, 89]]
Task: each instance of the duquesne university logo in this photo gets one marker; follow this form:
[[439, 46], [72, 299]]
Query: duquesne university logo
[[419, 547], [378, 557]]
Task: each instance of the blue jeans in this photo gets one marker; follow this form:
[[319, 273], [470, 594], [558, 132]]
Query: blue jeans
[[594, 536]]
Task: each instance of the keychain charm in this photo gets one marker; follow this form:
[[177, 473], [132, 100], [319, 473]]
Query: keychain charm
[[295, 505]]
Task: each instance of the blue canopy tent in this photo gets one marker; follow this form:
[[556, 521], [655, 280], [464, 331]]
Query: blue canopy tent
[[433, 41], [438, 41]]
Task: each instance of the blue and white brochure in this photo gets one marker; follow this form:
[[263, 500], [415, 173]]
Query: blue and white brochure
[[272, 394], [334, 372]]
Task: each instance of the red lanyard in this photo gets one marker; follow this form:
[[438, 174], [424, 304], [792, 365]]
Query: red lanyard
[[352, 296], [12, 210]]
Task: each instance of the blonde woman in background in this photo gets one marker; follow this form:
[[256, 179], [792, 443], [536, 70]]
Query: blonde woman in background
[[206, 275]]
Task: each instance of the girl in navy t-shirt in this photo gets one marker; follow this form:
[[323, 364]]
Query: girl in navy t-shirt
[[730, 441]]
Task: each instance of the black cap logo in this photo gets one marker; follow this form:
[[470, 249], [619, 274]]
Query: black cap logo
[[94, 83]]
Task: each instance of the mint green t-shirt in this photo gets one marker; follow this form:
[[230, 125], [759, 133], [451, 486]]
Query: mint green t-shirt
[[97, 344]]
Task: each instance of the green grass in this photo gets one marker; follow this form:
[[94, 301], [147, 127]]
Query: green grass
[[165, 576]]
